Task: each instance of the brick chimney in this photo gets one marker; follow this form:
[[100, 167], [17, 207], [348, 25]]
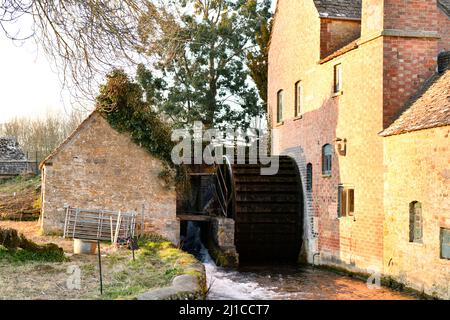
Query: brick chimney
[[408, 29], [371, 18]]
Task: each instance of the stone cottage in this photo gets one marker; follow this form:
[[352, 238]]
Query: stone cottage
[[12, 159], [97, 167], [416, 190], [340, 75]]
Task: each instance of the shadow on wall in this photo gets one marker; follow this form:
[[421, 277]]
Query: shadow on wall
[[310, 140]]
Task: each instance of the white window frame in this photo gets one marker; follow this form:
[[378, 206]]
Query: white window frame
[[298, 99], [346, 208], [337, 78]]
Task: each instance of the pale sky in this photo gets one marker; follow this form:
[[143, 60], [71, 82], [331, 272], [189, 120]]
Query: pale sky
[[29, 84]]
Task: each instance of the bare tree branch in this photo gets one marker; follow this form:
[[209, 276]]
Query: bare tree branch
[[84, 38]]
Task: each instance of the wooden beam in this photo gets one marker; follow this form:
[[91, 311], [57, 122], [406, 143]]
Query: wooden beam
[[193, 217]]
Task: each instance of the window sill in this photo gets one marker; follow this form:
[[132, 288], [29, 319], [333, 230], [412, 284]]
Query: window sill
[[298, 117], [326, 175], [347, 217], [337, 94], [279, 124], [416, 243]]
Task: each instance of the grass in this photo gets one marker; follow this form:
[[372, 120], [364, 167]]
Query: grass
[[20, 198], [21, 256], [29, 275], [19, 184], [157, 262]]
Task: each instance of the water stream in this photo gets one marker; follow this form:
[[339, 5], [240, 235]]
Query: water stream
[[280, 282]]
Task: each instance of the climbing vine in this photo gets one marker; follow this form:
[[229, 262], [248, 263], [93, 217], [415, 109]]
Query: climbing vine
[[121, 102]]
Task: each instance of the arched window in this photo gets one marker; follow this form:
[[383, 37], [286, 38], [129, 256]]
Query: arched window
[[327, 152], [415, 222], [280, 106], [309, 177]]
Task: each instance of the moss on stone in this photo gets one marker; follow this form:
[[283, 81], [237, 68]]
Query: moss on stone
[[18, 248], [221, 258]]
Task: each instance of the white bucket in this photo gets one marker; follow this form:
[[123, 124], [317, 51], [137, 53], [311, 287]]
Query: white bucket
[[84, 246]]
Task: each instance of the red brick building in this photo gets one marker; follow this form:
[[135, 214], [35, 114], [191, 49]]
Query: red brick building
[[340, 75]]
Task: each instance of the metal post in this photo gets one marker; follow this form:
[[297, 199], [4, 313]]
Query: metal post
[[100, 266], [67, 208], [142, 220], [132, 247]]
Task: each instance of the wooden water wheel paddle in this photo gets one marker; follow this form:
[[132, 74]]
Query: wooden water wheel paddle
[[267, 209]]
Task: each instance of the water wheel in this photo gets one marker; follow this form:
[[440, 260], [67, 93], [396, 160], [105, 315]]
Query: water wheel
[[267, 209]]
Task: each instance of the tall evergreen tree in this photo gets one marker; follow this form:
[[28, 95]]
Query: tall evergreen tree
[[258, 60], [200, 48]]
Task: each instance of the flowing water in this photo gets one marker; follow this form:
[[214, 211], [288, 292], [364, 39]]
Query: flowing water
[[281, 282], [287, 283]]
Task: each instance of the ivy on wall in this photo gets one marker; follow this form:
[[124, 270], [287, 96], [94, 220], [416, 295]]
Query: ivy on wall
[[121, 102]]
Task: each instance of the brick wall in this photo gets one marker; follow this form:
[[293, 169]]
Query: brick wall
[[412, 15], [396, 54], [417, 169], [410, 30], [334, 34], [100, 168], [444, 31], [356, 115], [408, 62]]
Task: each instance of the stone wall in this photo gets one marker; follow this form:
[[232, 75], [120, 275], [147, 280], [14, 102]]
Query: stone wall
[[417, 169], [222, 248], [99, 168], [12, 159], [12, 168]]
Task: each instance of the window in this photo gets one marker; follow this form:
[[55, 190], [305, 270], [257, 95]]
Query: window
[[280, 106], [326, 159], [415, 222], [445, 243], [309, 177], [346, 201], [337, 78], [298, 98]]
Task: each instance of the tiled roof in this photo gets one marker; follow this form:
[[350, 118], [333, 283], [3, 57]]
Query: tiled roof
[[429, 109], [444, 5], [349, 9], [10, 150]]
